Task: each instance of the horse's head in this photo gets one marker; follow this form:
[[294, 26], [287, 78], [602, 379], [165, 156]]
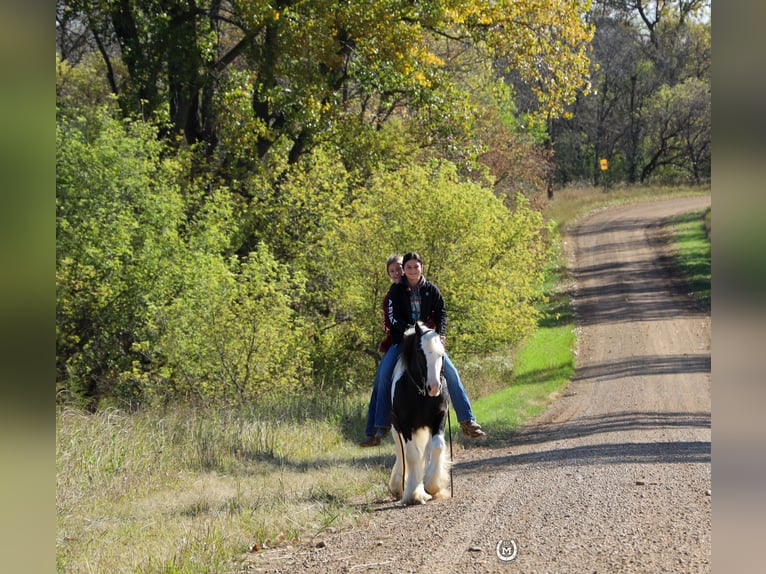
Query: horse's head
[[433, 351]]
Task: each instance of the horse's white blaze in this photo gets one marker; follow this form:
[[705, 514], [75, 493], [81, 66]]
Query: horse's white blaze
[[433, 350]]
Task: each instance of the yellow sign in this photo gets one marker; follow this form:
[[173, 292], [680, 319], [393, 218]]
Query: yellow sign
[[604, 164]]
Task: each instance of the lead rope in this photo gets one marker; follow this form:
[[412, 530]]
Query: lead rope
[[449, 432], [404, 461]]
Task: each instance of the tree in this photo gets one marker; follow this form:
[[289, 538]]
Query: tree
[[231, 176], [678, 130], [640, 49], [304, 63]]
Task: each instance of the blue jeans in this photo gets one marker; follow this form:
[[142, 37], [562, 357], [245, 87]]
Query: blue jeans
[[381, 392]]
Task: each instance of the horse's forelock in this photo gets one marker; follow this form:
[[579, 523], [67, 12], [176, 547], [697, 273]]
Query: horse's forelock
[[432, 342], [410, 341]]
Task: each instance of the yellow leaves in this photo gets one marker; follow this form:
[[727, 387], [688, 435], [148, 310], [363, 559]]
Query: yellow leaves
[[544, 41], [421, 79], [432, 59]]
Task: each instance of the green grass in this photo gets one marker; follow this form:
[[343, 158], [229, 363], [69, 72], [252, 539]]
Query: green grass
[[691, 243], [543, 367], [188, 490]]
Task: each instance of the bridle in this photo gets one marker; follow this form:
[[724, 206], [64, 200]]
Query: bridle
[[420, 379], [422, 384]]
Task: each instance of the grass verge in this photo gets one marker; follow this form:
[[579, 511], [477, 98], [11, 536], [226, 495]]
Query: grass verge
[[544, 365], [193, 490], [572, 203], [691, 247]]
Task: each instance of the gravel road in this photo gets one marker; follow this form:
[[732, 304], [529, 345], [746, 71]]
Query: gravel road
[[614, 477]]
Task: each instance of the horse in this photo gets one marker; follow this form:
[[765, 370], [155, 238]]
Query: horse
[[418, 415]]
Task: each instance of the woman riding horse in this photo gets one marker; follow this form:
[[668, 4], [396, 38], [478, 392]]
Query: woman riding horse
[[411, 299]]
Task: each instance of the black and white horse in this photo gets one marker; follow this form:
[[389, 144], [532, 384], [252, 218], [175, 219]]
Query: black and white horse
[[418, 414]]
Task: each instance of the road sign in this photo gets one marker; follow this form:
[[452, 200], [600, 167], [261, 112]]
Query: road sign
[[604, 164]]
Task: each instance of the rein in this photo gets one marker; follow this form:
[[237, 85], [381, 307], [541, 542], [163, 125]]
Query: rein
[[451, 481]]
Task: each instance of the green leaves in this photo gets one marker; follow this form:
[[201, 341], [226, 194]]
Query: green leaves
[[149, 304], [305, 65], [231, 335], [334, 134], [118, 211], [486, 260]]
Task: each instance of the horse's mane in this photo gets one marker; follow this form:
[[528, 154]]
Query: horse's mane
[[413, 360], [410, 342]]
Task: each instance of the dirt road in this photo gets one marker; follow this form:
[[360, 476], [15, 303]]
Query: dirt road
[[614, 477]]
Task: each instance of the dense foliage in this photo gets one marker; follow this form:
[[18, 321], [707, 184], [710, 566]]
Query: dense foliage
[[154, 302], [232, 175], [243, 76]]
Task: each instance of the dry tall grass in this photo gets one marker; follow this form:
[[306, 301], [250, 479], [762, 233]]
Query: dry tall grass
[[192, 490], [571, 203]]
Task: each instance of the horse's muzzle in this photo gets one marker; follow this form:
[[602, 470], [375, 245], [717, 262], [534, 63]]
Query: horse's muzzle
[[434, 389]]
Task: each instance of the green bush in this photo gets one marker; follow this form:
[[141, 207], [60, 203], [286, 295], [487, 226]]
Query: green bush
[[151, 302], [232, 335], [169, 286], [118, 215], [486, 260]]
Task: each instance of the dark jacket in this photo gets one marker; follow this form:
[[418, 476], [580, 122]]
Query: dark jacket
[[432, 309]]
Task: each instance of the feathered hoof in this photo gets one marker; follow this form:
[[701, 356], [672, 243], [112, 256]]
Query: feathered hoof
[[418, 497], [441, 493]]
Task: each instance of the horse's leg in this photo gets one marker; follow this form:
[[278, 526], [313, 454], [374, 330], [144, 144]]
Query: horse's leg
[[395, 483], [414, 453], [437, 473]]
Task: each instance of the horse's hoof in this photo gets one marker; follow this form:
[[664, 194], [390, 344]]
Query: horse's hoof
[[418, 497], [439, 494]]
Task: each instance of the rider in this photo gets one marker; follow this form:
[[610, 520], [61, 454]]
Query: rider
[[410, 299], [394, 272]]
